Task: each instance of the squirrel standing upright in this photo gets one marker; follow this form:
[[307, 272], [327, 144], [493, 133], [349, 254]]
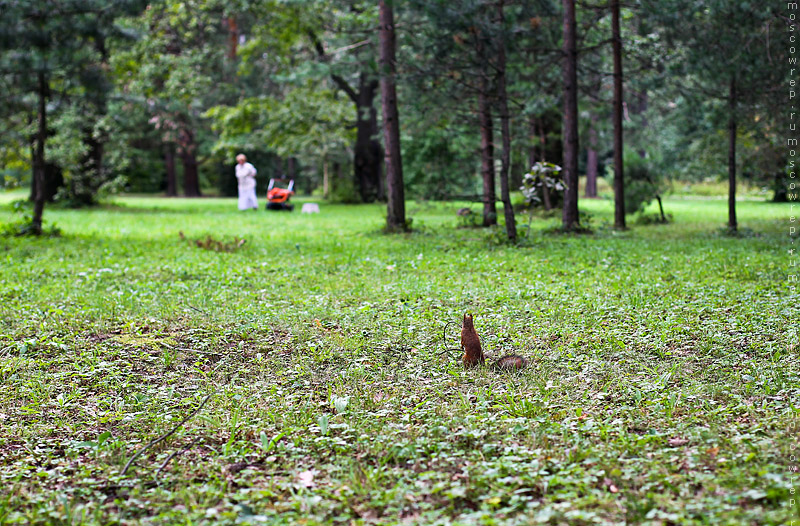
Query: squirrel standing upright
[[471, 342], [473, 354]]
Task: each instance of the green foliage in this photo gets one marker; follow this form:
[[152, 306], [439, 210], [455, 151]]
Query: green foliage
[[83, 184], [653, 219], [642, 181], [55, 53], [701, 55], [542, 175], [14, 168], [438, 162], [343, 191], [21, 225], [307, 122]]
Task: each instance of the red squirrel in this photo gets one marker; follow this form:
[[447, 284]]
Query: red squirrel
[[473, 354]]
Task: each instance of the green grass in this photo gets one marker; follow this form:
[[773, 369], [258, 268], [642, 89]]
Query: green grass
[[664, 369]]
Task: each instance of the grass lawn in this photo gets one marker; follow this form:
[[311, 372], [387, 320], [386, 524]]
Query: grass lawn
[[661, 389]]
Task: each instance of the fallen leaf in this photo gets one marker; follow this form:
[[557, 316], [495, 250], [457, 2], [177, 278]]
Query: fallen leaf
[[608, 483], [675, 442], [306, 479]]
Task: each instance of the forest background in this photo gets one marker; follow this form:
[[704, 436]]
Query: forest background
[[159, 97]]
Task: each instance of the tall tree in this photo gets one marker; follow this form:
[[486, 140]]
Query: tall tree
[[732, 223], [591, 158], [619, 181], [570, 220], [487, 152], [485, 126], [184, 65], [353, 71], [505, 129], [45, 43], [396, 209], [727, 60]]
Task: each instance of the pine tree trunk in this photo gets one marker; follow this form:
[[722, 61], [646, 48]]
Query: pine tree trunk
[[396, 208], [325, 177], [291, 167], [732, 224], [619, 180], [169, 164], [86, 194], [570, 218], [542, 141], [336, 178], [39, 173], [534, 138], [487, 154], [505, 129], [591, 160]]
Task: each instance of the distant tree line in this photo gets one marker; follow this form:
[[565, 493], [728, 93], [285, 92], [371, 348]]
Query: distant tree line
[[363, 101]]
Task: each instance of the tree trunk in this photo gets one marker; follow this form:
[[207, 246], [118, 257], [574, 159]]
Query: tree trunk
[[336, 168], [191, 180], [505, 129], [39, 173], [619, 181], [641, 111], [591, 159], [291, 167], [368, 152], [534, 138], [233, 38], [542, 141], [396, 208], [54, 179], [325, 177], [732, 224], [570, 219], [169, 164], [487, 154], [548, 203]]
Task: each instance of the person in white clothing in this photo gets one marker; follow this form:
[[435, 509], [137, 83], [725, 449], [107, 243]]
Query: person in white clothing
[[246, 174]]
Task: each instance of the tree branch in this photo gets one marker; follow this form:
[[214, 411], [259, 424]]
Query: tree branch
[[164, 436], [343, 85]]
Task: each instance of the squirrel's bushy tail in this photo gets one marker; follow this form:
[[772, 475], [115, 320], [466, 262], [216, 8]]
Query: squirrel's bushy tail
[[511, 362]]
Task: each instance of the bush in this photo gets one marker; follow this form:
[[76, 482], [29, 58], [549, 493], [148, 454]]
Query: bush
[[543, 177]]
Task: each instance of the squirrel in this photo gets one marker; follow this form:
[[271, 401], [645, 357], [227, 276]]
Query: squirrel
[[473, 354]]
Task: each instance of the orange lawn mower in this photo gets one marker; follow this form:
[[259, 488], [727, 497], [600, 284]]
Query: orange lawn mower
[[278, 198]]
